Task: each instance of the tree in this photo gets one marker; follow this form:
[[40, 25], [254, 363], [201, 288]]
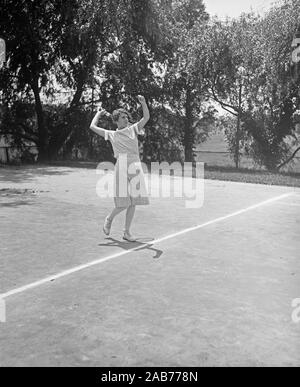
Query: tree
[[32, 31], [262, 99], [224, 55], [269, 117], [185, 94], [76, 46]]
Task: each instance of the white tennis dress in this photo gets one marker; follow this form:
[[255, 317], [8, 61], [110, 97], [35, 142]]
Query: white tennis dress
[[129, 179]]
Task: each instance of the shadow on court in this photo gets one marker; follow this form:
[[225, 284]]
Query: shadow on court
[[18, 203], [12, 198], [142, 242]]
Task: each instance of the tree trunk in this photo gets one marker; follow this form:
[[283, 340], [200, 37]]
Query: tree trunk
[[43, 140], [189, 136], [238, 132], [60, 141]]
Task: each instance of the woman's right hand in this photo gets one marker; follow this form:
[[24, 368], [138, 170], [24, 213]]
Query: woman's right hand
[[103, 112]]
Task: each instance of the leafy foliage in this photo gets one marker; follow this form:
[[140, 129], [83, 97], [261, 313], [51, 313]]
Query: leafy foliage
[[250, 58], [65, 57]]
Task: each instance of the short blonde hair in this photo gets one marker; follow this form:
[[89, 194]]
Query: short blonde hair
[[116, 114]]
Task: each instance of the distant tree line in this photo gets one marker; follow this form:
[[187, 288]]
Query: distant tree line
[[65, 57]]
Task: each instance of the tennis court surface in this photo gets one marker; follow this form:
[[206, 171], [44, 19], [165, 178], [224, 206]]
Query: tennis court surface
[[212, 286]]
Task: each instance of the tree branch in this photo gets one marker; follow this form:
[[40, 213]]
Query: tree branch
[[289, 159], [224, 105]]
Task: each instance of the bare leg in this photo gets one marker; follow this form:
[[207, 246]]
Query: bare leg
[[115, 212], [129, 217], [109, 219]]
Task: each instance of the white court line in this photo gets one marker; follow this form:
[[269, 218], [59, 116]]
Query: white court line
[[99, 261]]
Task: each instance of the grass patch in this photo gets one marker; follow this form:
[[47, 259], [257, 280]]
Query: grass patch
[[289, 179]]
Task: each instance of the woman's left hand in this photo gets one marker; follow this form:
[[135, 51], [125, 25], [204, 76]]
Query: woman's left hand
[[141, 99]]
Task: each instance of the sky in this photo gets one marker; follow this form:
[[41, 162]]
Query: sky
[[234, 8]]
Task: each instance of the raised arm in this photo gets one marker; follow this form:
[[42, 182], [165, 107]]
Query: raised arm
[[146, 114], [94, 127]]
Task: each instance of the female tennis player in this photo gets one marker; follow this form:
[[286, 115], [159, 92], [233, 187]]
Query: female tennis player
[[125, 143]]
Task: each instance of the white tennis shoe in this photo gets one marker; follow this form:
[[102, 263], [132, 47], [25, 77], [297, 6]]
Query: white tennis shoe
[[128, 237]]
